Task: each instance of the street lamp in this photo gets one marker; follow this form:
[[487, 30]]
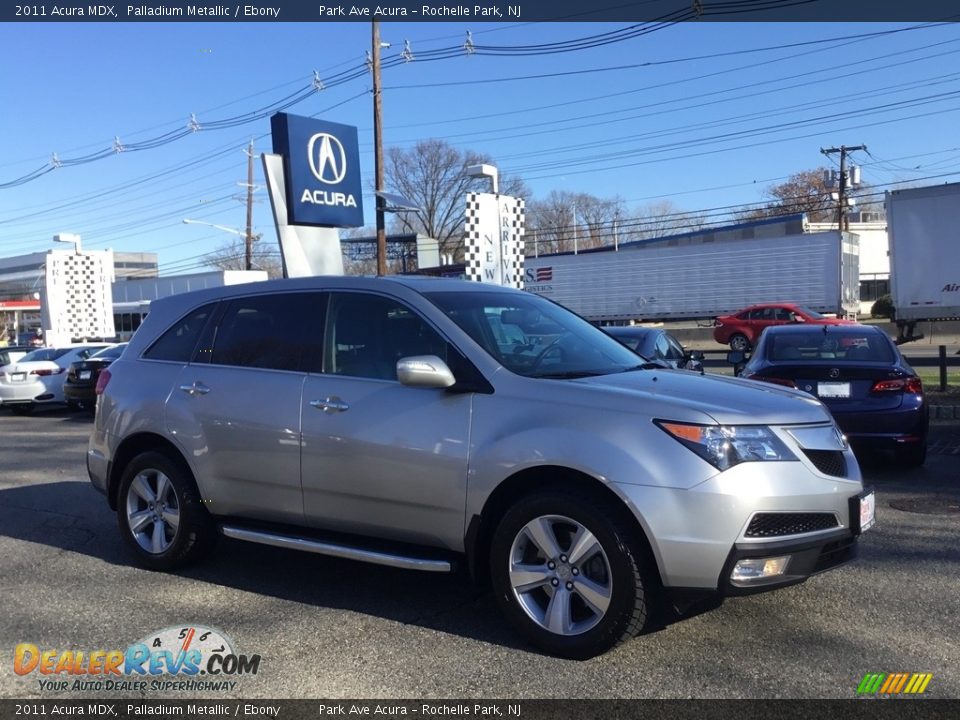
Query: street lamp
[[489, 171], [247, 236], [68, 238]]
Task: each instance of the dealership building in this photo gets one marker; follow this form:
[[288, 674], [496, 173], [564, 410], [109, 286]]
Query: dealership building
[[136, 282]]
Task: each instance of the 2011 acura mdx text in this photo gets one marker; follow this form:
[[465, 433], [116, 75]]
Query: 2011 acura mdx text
[[422, 423]]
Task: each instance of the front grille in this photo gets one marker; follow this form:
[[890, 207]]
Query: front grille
[[829, 462], [765, 525]]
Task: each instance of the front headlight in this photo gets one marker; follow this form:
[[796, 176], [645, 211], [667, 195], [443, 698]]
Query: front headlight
[[724, 446]]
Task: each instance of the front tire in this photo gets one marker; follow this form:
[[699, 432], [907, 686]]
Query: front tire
[[160, 515], [568, 574], [739, 342]]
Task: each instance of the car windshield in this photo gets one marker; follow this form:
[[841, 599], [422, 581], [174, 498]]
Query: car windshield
[[811, 313], [534, 337], [110, 353], [835, 347], [44, 354], [639, 340]]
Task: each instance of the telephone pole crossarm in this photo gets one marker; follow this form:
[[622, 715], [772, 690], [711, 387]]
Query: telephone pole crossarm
[[844, 150]]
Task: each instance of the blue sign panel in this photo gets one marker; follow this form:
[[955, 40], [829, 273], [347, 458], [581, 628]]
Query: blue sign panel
[[322, 163]]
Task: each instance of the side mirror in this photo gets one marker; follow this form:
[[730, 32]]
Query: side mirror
[[426, 371], [697, 355]]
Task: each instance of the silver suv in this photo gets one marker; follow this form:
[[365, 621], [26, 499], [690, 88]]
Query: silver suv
[[422, 423]]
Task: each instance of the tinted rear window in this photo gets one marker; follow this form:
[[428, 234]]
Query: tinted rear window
[[179, 341], [45, 354], [266, 331], [837, 347], [110, 353]]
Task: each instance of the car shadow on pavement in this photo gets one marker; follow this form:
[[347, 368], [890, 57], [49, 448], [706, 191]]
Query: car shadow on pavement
[[71, 516]]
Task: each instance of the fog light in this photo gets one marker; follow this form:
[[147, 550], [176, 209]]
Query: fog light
[[759, 568]]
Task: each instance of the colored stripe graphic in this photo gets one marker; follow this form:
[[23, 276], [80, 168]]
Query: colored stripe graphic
[[894, 683], [870, 683]]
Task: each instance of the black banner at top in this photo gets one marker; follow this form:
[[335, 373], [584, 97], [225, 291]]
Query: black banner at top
[[510, 11]]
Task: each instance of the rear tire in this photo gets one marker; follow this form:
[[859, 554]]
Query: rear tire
[[569, 574], [912, 455], [739, 342], [160, 515]]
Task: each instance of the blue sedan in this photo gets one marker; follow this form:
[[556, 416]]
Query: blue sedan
[[859, 374]]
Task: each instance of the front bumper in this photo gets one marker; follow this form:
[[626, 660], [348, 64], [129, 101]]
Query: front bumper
[[807, 557], [754, 510]]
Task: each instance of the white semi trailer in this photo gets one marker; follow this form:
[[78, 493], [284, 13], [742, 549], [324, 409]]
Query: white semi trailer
[[923, 227], [705, 273]]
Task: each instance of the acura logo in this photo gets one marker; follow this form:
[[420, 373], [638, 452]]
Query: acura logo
[[834, 372], [327, 158]]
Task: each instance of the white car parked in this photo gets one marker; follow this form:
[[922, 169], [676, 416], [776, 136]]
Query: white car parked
[[37, 378]]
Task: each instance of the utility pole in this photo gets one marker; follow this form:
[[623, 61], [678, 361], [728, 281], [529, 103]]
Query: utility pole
[[378, 152], [575, 239], [248, 239], [842, 222]]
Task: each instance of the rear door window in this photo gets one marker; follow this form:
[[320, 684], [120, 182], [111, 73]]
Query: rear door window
[[266, 331]]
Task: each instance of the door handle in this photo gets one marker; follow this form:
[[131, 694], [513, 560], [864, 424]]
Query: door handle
[[198, 388], [330, 405]]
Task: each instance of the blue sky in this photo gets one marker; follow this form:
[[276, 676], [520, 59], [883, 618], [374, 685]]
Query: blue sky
[[704, 115]]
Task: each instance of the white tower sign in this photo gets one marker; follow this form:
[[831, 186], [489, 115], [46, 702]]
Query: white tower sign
[[76, 301]]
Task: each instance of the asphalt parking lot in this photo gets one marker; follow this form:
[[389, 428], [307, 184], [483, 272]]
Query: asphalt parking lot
[[329, 628]]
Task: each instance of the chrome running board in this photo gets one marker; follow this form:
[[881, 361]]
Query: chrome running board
[[334, 550]]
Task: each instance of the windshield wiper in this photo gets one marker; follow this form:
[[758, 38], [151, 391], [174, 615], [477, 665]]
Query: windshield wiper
[[568, 375], [648, 365]]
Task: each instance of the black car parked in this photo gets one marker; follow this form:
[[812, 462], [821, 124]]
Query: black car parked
[[858, 373], [80, 385]]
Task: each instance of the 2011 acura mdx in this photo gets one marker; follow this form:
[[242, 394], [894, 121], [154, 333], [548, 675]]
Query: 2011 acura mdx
[[421, 423]]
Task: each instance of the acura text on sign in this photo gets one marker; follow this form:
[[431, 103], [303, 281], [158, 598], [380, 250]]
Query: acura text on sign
[[322, 166]]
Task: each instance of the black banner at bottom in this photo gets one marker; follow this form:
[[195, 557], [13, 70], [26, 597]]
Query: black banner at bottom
[[867, 709]]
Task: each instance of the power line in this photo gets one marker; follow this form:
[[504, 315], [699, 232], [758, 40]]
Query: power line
[[194, 125]]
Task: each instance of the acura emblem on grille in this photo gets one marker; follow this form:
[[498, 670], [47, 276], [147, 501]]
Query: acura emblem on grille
[[834, 372]]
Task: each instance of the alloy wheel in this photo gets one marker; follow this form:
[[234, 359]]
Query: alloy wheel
[[153, 511], [560, 575]]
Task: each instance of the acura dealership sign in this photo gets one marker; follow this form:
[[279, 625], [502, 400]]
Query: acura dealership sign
[[322, 170]]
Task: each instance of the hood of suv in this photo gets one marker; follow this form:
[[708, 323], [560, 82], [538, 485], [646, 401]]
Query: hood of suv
[[727, 400]]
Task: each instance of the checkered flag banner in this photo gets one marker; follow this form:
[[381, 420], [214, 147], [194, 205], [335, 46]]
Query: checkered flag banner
[[493, 240], [77, 299]]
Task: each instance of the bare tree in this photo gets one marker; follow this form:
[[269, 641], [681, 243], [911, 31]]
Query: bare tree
[[567, 222], [232, 256], [600, 222], [661, 219], [804, 192], [432, 174]]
